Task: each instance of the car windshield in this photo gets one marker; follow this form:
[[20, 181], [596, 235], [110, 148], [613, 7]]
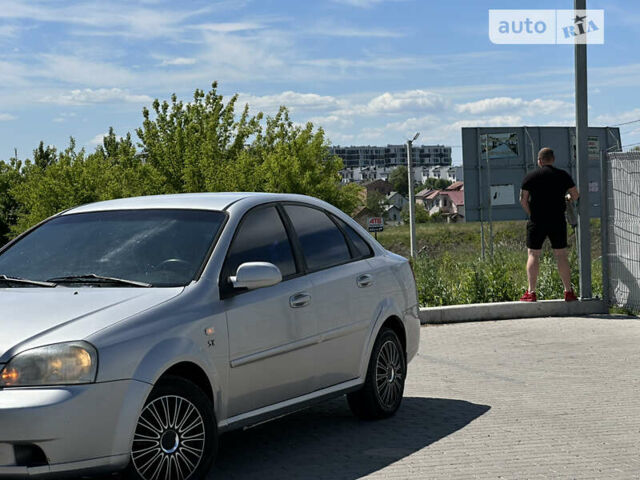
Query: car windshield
[[160, 247]]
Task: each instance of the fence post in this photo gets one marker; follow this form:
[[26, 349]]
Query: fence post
[[604, 226]]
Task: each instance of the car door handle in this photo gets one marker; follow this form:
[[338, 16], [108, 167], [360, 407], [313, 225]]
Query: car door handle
[[299, 300], [364, 280]]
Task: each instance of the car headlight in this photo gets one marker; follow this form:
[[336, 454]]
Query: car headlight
[[59, 364]]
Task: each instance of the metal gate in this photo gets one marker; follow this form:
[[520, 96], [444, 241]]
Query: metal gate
[[621, 230]]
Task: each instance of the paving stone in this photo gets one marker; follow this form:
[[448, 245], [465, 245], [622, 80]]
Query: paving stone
[[524, 399]]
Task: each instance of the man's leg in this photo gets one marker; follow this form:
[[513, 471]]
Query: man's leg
[[562, 258], [533, 268]]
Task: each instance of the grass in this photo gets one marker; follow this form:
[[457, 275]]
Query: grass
[[450, 271]]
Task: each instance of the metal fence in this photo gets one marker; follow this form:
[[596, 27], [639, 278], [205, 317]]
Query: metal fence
[[621, 229]]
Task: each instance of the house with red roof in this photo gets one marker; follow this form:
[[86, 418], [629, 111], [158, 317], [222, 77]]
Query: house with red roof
[[448, 202]]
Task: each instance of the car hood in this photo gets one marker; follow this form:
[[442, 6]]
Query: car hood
[[30, 317]]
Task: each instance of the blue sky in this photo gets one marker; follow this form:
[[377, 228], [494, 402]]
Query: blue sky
[[368, 71]]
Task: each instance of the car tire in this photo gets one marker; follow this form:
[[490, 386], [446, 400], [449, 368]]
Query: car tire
[[381, 395], [176, 433]]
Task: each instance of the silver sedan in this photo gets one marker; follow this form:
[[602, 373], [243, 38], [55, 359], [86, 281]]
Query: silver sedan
[[134, 332]]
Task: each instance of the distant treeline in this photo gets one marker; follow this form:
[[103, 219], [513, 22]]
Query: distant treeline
[[200, 146]]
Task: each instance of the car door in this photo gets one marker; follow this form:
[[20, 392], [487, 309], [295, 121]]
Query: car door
[[268, 327], [343, 290]]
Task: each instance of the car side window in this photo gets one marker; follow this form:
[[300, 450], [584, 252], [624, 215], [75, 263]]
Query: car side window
[[362, 248], [322, 242], [261, 237]]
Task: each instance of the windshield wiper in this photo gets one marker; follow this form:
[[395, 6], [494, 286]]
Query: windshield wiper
[[25, 281], [93, 278]]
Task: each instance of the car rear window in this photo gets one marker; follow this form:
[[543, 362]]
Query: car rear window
[[362, 248], [322, 242]]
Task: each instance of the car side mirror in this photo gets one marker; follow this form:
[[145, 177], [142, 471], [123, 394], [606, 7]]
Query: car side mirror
[[252, 275]]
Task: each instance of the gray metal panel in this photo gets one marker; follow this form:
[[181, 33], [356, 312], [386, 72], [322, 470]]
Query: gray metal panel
[[511, 171]]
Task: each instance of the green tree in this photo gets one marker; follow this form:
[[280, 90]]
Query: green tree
[[194, 146], [185, 147], [296, 159], [376, 202], [422, 216], [435, 184], [46, 189], [10, 177], [399, 179]]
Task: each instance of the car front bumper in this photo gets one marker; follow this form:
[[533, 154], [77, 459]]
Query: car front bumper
[[80, 429]]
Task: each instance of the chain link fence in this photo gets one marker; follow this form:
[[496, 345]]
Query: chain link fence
[[621, 230]]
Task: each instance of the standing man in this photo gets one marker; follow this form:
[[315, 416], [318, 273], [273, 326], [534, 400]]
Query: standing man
[[542, 196]]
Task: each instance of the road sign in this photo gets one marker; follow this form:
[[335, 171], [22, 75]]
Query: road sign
[[375, 224]]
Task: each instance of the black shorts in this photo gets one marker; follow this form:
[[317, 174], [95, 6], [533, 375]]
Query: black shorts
[[537, 232]]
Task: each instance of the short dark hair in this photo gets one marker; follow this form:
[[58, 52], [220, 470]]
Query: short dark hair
[[546, 155]]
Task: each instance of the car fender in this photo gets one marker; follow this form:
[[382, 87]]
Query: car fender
[[388, 307], [172, 351]]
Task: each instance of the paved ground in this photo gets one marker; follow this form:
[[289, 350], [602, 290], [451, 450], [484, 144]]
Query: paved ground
[[537, 398]]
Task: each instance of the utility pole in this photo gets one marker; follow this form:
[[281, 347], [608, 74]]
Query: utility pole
[[412, 213], [582, 158]]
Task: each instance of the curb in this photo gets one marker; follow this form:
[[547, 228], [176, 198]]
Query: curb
[[478, 312]]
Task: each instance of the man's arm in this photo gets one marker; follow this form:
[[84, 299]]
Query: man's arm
[[524, 201], [573, 194]]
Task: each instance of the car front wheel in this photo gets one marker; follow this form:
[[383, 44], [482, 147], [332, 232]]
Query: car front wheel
[[381, 395], [176, 434]]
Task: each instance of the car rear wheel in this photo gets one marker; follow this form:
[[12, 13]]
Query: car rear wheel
[[176, 434], [381, 395]]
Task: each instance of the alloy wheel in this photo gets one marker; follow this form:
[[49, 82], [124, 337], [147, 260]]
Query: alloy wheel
[[169, 440], [389, 374]]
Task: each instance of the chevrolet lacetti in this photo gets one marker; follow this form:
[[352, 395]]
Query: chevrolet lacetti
[[133, 332]]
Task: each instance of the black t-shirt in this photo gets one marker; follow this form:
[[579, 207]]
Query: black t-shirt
[[547, 187]]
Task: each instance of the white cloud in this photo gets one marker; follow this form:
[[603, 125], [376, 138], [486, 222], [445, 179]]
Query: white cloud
[[333, 30], [111, 18], [414, 124], [509, 104], [5, 117], [72, 69], [8, 31], [228, 27], [363, 3], [292, 100], [331, 121], [398, 102], [100, 95], [490, 121], [63, 116], [97, 140], [177, 61], [342, 65], [614, 119]]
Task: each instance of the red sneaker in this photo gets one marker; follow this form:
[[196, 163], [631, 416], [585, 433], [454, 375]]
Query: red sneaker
[[529, 297], [570, 296]]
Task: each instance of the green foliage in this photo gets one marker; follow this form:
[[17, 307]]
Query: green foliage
[[448, 280], [434, 183], [376, 202], [400, 180], [422, 216], [449, 270], [10, 178], [198, 146]]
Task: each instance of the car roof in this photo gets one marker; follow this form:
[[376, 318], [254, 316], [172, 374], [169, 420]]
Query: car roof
[[192, 201]]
